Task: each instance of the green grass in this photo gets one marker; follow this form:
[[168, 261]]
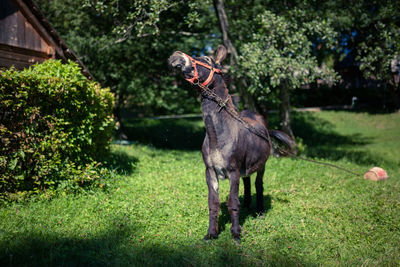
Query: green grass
[[155, 211]]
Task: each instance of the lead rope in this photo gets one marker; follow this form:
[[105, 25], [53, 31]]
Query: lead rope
[[207, 93], [282, 151]]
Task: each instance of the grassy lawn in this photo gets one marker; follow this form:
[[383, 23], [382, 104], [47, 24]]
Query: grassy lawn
[[155, 211]]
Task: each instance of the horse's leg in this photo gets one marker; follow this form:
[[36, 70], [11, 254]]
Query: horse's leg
[[213, 203], [233, 203], [260, 191], [247, 191]]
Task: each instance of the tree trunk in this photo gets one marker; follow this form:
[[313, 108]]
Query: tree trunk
[[248, 100], [118, 119], [224, 24], [394, 91], [284, 110]]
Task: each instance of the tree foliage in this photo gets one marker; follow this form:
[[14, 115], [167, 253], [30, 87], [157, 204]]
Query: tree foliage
[[280, 54], [125, 44], [375, 36], [141, 18]]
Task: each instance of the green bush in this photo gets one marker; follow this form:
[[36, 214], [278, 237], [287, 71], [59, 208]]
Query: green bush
[[53, 123]]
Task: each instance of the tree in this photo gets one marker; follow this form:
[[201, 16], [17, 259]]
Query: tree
[[275, 46], [372, 36], [234, 56], [277, 52], [116, 39], [125, 46], [368, 32]]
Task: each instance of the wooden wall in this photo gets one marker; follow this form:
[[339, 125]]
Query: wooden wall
[[22, 42]]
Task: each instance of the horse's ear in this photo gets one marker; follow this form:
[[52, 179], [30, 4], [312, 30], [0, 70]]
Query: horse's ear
[[220, 54]]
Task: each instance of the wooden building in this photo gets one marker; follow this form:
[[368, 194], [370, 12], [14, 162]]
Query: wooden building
[[27, 37]]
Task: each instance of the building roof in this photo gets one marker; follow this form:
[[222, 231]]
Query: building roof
[[36, 22]]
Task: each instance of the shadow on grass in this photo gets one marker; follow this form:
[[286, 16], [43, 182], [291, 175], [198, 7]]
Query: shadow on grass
[[322, 141], [109, 249], [180, 134], [244, 213], [120, 162], [319, 136], [122, 246]]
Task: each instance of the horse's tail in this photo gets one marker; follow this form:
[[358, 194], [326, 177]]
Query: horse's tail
[[285, 139]]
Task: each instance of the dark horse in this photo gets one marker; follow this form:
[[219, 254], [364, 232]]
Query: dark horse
[[229, 149]]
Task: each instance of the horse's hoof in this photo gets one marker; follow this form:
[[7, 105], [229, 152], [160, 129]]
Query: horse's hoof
[[210, 237], [260, 211]]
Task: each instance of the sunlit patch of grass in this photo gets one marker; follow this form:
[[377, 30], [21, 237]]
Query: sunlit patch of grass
[[155, 211]]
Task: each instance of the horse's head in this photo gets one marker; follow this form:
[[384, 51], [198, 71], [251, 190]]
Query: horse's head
[[198, 70]]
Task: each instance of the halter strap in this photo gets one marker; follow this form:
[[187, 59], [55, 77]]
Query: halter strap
[[195, 78]]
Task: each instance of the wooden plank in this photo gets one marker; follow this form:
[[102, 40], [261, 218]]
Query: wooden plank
[[8, 27], [20, 27], [19, 65], [52, 46], [20, 61], [37, 31], [21, 57], [16, 30], [33, 39], [6, 12], [21, 50]]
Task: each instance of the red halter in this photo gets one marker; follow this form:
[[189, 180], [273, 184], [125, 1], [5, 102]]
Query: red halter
[[195, 78]]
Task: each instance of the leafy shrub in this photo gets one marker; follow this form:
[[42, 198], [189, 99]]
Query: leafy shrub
[[53, 124]]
